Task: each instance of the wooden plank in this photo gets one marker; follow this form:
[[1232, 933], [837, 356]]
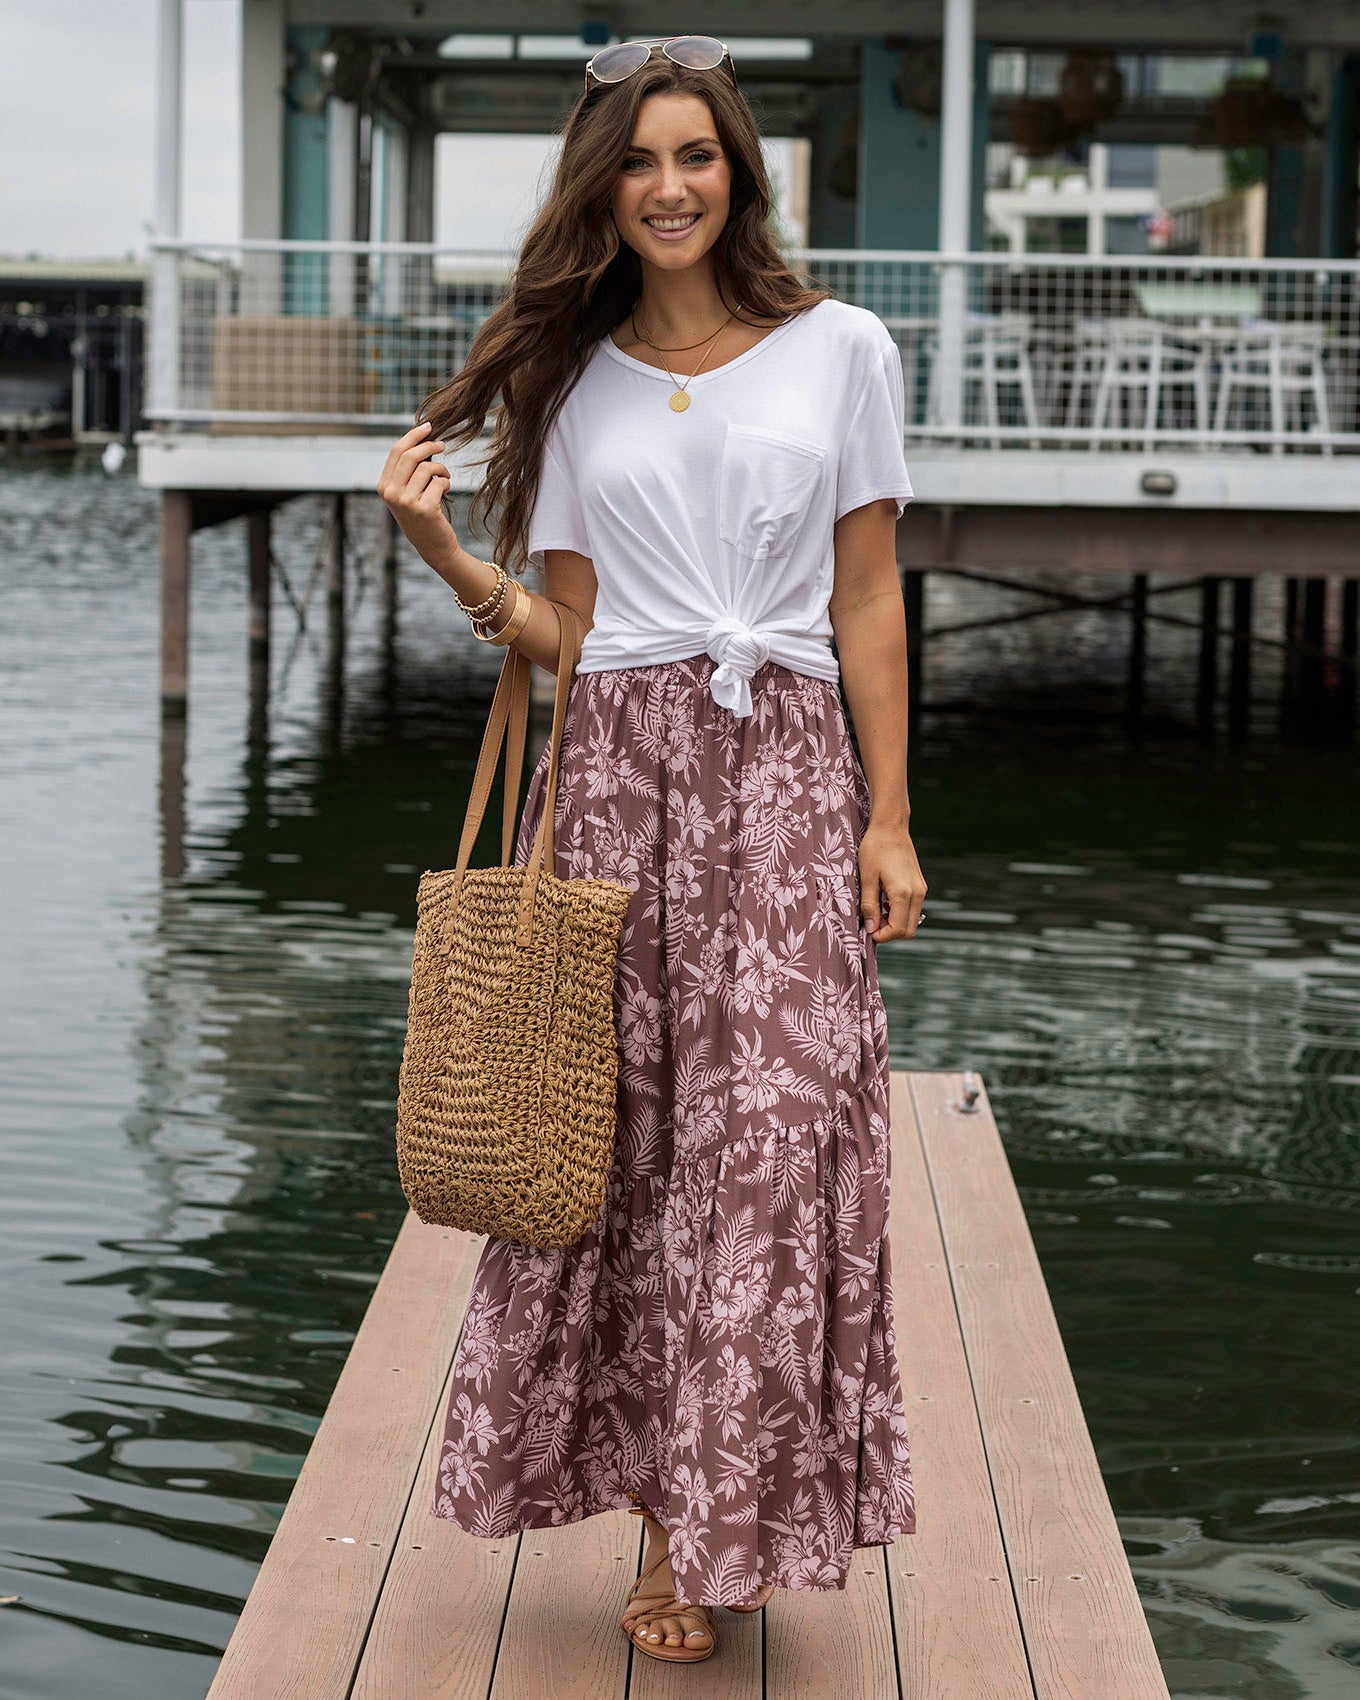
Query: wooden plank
[[834, 1644], [1085, 1630], [732, 1673], [437, 1626], [303, 1626], [954, 1610], [1017, 1540], [561, 1638]]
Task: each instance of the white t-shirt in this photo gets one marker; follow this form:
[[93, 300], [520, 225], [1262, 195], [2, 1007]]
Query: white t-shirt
[[710, 530]]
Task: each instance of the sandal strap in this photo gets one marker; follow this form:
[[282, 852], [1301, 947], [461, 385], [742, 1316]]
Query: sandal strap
[[660, 1605], [670, 1606], [655, 1565]]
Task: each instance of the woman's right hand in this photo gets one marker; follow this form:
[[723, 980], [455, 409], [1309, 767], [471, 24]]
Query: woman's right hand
[[413, 484]]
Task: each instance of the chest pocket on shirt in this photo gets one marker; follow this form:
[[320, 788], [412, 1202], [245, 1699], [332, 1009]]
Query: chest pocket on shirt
[[766, 483]]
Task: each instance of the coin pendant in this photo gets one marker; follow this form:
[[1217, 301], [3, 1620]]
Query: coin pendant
[[679, 401]]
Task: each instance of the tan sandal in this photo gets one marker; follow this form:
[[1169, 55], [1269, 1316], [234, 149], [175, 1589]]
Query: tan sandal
[[665, 1604]]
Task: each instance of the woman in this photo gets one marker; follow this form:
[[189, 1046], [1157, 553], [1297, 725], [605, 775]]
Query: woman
[[704, 458]]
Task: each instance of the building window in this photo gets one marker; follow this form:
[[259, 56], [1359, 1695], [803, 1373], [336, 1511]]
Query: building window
[[1124, 235], [1131, 165], [1050, 235]]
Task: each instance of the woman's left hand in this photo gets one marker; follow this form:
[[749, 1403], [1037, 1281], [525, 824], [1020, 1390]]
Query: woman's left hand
[[890, 878]]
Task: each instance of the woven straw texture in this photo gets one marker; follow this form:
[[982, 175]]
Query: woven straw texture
[[506, 1104], [507, 1099]]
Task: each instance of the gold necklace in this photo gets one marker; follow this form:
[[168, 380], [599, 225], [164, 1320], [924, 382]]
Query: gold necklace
[[679, 348], [679, 400]]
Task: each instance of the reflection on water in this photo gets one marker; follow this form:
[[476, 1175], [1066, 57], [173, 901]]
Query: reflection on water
[[1149, 946]]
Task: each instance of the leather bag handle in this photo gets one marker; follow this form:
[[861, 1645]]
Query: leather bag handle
[[510, 710]]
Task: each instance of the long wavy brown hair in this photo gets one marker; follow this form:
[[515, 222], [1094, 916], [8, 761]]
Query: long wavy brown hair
[[576, 279]]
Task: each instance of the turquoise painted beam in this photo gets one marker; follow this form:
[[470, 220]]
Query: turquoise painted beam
[[899, 157], [306, 175]]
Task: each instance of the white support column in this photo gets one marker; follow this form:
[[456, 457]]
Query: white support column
[[342, 142], [163, 385], [419, 225], [396, 154], [956, 164], [1098, 178]]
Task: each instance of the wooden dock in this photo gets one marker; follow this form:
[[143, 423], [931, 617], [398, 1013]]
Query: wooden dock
[[1015, 1587]]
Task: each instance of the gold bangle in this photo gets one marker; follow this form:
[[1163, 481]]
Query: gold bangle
[[498, 602], [482, 628], [524, 606]]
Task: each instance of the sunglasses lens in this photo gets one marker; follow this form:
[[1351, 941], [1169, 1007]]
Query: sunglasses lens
[[698, 52], [616, 63]]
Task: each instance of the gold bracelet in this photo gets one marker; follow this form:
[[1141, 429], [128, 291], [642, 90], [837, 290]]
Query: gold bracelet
[[482, 628], [481, 624], [524, 607], [487, 605], [497, 608]]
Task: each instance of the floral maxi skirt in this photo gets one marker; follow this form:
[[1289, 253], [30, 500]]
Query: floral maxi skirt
[[719, 1344]]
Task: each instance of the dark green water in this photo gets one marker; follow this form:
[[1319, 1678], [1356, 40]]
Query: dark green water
[[1149, 947]]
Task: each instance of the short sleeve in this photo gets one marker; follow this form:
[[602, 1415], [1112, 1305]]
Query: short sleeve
[[558, 520], [872, 463]]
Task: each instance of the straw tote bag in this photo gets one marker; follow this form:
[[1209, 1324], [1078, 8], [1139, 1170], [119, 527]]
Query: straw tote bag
[[507, 1093]]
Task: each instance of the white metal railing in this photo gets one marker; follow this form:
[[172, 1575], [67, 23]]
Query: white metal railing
[[999, 351]]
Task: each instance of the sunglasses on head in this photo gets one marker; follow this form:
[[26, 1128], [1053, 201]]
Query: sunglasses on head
[[696, 52]]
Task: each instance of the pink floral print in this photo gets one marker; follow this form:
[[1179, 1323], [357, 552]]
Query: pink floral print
[[720, 1342]]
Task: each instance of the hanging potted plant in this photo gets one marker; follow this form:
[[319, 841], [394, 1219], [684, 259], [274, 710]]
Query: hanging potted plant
[[1039, 127], [1090, 88], [1250, 112]]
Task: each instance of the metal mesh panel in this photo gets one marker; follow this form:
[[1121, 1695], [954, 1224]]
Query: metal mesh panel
[[999, 351]]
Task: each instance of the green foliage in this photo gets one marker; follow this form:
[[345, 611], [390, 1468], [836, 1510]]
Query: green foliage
[[1244, 166]]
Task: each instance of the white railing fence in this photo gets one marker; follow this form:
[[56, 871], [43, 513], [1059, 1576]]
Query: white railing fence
[[998, 350]]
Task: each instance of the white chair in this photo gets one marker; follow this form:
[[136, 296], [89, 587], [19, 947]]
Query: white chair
[[995, 357], [1082, 365], [1286, 362], [1145, 362]]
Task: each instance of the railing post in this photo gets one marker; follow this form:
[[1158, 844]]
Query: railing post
[[953, 305]]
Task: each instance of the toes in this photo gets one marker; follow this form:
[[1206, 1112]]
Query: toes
[[671, 1630]]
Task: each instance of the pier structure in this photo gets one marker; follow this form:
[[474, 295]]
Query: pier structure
[[1168, 420], [1015, 1586]]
